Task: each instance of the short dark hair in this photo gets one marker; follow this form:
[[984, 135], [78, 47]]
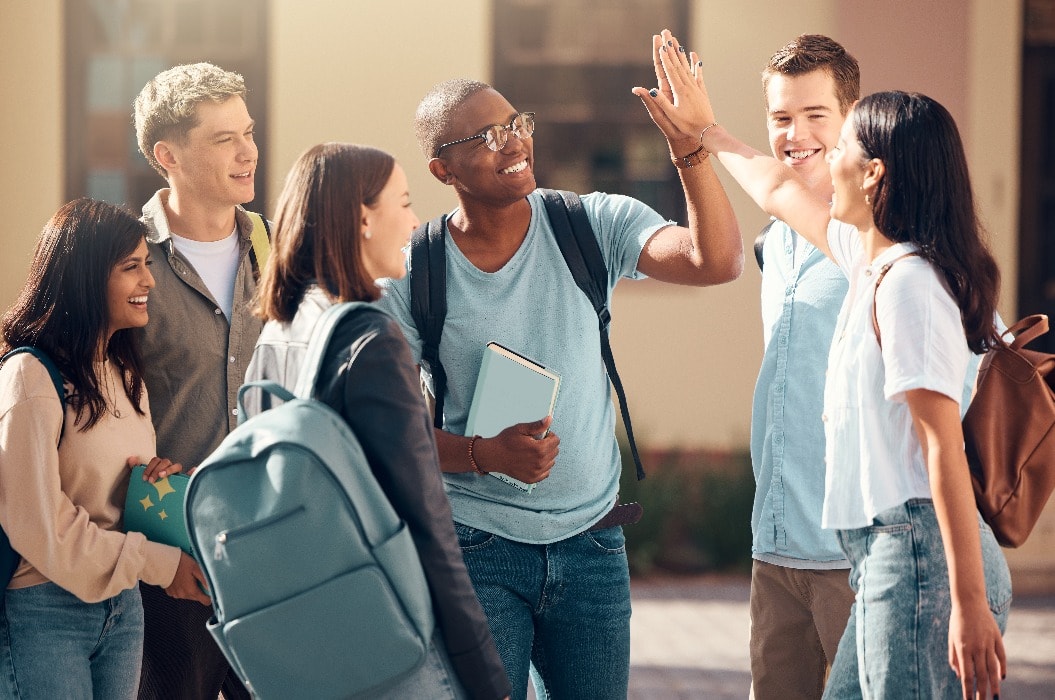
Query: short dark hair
[[811, 52], [317, 235], [432, 120], [63, 307], [925, 198]]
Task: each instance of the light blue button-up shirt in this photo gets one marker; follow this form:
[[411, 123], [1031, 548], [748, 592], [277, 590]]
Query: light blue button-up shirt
[[802, 292]]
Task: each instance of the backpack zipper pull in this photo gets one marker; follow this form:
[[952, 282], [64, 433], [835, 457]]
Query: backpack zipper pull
[[221, 540]]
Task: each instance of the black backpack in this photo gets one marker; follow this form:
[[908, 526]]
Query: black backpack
[[578, 244]]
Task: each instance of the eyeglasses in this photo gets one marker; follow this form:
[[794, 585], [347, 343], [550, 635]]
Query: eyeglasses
[[497, 136]]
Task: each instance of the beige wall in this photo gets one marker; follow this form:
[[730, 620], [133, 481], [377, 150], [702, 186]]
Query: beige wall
[[31, 174], [354, 71]]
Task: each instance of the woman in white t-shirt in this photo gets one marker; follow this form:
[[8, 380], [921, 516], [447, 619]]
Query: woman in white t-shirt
[[932, 586]]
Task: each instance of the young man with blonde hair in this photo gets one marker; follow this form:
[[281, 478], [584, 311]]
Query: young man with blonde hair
[[193, 127]]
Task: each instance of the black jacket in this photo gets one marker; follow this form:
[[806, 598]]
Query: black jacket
[[368, 376]]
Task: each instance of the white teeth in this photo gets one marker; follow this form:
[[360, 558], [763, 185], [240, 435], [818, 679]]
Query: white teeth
[[799, 155], [137, 300], [522, 165]]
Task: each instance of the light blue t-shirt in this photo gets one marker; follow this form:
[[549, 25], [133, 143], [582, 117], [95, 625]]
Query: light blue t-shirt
[[533, 306], [802, 292]]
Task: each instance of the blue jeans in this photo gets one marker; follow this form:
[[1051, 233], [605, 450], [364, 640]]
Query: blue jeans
[[54, 645], [565, 607], [897, 639], [434, 678]]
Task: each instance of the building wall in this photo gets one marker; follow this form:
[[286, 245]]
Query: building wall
[[355, 71], [31, 132]]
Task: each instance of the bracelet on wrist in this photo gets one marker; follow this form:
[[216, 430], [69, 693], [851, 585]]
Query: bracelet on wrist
[[696, 157], [472, 459]]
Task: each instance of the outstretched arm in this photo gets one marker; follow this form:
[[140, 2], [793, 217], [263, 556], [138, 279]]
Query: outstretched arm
[[711, 250], [682, 109]]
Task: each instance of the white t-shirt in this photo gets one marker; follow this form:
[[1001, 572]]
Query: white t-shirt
[[216, 262], [873, 457]]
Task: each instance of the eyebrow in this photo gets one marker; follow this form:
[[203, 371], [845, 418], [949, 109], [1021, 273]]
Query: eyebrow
[[811, 108], [225, 132]]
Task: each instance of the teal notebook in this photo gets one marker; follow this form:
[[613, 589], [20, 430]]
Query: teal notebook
[[156, 509], [510, 389]]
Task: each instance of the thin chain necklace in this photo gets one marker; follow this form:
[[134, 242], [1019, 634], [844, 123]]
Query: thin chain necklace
[[111, 392]]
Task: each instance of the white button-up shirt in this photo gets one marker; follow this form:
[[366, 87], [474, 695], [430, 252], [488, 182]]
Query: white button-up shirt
[[873, 458]]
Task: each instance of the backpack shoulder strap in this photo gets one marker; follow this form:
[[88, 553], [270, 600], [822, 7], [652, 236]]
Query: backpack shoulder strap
[[879, 278], [260, 238], [53, 372], [428, 302], [582, 253], [319, 342]]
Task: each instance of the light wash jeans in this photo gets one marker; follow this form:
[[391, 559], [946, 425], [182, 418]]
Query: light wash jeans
[[565, 607], [434, 679], [54, 645], [897, 639]]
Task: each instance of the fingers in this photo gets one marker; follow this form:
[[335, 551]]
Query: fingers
[[159, 468], [537, 428]]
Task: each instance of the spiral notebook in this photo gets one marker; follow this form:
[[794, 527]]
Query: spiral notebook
[[510, 389]]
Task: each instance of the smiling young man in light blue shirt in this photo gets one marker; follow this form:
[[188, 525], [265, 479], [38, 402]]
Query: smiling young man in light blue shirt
[[800, 592]]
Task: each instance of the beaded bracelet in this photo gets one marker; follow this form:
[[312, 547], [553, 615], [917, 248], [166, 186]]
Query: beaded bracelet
[[472, 460]]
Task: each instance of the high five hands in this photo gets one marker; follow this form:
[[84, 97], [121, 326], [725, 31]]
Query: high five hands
[[679, 105]]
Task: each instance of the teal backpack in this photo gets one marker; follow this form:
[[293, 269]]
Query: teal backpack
[[317, 588], [9, 558]]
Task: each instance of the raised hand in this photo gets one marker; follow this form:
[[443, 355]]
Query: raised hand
[[679, 105]]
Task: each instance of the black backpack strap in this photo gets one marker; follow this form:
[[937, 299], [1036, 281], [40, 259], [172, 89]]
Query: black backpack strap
[[428, 302], [760, 242], [53, 372], [582, 253]]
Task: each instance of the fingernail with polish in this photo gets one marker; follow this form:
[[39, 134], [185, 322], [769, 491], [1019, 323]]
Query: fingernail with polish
[[670, 43], [699, 63], [681, 49], [653, 92]]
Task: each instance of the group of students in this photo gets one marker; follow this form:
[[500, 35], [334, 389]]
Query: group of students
[[523, 583]]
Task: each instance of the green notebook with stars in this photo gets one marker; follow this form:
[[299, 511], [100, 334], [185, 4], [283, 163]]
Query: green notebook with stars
[[156, 509]]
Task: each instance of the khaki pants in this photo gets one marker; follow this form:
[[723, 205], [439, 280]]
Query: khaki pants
[[797, 619]]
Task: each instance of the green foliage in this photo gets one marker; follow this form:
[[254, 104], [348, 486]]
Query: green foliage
[[697, 512]]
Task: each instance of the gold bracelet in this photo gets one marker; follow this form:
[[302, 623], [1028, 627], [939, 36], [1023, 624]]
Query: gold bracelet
[[472, 460]]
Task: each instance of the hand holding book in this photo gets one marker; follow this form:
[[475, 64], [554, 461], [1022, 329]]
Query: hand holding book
[[513, 402]]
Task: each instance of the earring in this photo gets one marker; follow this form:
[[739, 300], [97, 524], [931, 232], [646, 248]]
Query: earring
[[367, 235], [868, 200]]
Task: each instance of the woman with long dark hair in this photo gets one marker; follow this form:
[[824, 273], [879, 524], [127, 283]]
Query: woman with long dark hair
[[71, 621], [932, 586], [342, 221]]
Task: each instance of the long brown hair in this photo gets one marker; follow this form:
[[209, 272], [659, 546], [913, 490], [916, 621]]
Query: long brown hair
[[318, 237], [925, 198], [63, 310]]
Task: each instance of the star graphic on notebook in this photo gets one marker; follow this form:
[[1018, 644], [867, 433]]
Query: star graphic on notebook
[[147, 503], [163, 487]]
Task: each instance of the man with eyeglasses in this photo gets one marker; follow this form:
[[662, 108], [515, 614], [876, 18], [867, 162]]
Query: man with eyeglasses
[[551, 576]]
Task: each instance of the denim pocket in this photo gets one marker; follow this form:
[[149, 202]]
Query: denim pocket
[[609, 540], [470, 538]]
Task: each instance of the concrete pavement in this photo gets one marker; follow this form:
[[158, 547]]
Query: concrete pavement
[[689, 635]]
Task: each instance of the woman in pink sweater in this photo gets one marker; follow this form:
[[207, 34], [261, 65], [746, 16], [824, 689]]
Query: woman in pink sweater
[[71, 620]]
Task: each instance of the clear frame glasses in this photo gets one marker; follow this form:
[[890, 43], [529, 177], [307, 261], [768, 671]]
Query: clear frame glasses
[[496, 136]]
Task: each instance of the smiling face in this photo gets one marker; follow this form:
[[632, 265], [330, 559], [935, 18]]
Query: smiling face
[[848, 165], [499, 177], [126, 290], [215, 163], [390, 221], [803, 120]]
